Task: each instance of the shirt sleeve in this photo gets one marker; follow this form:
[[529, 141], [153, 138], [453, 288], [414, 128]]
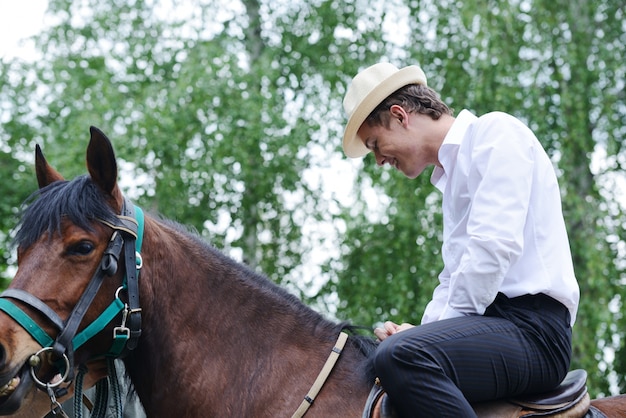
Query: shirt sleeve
[[437, 304]]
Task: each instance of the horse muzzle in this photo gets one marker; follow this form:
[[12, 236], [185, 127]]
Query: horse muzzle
[[14, 387]]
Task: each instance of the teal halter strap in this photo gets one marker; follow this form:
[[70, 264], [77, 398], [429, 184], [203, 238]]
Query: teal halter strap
[[26, 322]]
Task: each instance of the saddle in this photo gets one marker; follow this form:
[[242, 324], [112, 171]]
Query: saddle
[[569, 400]]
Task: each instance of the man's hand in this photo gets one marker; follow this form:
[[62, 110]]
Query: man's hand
[[390, 328]]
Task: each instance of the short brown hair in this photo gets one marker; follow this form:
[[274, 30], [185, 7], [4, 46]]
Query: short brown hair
[[414, 98]]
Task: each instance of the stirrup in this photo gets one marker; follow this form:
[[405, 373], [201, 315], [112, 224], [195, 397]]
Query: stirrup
[[378, 404]]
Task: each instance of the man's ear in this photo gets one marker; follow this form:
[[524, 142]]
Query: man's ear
[[398, 112]]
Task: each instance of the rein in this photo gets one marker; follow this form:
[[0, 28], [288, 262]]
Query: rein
[[321, 378], [127, 236]]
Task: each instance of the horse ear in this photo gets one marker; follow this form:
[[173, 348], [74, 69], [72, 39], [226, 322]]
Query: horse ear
[[45, 173], [102, 166]]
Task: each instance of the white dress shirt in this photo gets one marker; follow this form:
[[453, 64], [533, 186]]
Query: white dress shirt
[[503, 227]]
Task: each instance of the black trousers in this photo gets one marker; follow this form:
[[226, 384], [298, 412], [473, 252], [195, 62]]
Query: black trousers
[[520, 345]]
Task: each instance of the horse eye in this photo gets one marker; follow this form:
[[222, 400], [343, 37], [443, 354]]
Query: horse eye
[[81, 248]]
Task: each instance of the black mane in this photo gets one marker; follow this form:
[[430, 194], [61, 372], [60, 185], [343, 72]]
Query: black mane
[[80, 200]]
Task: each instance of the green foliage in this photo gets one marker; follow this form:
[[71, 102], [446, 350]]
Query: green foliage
[[211, 114], [14, 189]]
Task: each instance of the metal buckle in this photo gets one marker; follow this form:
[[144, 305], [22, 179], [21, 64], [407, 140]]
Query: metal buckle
[[34, 363]]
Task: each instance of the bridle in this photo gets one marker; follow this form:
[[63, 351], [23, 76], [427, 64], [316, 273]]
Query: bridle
[[127, 236]]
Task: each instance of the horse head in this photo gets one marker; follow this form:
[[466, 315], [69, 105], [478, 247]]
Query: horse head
[[71, 275]]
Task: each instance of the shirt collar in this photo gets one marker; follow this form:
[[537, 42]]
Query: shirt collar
[[450, 146]]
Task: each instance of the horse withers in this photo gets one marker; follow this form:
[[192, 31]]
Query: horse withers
[[199, 333]]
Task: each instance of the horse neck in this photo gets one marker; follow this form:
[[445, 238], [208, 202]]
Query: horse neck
[[218, 338]]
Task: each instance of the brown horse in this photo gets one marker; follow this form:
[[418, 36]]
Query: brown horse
[[202, 334]]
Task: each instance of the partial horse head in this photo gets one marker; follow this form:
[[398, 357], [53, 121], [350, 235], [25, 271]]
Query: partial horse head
[[65, 244]]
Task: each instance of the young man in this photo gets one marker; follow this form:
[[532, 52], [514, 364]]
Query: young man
[[499, 323]]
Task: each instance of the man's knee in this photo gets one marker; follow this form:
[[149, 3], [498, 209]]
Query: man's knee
[[394, 356]]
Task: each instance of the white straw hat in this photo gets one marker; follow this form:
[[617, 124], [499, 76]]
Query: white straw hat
[[368, 89]]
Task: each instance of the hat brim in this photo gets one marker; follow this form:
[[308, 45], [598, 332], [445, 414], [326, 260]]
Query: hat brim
[[353, 146]]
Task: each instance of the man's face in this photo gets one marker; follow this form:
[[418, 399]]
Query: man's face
[[405, 145]]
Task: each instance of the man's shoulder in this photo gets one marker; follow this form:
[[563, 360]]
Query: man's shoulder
[[498, 124], [498, 117]]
